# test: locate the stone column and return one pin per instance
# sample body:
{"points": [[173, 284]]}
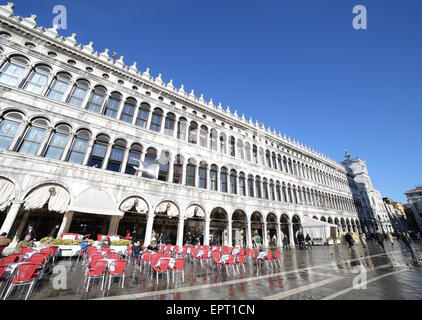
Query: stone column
{"points": [[125, 160], [249, 235], [44, 142], [184, 166], [291, 235], [107, 156], [20, 228], [279, 240], [207, 231], [264, 236], [197, 176], [148, 125], [230, 233], [19, 135], [88, 152], [171, 170], [47, 84], [67, 147], [180, 230], [11, 216], [114, 224], [148, 231], [67, 221]]}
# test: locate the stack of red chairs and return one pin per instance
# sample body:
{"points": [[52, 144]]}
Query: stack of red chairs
{"points": [[27, 275], [118, 272], [162, 268], [178, 267], [230, 263], [96, 271]]}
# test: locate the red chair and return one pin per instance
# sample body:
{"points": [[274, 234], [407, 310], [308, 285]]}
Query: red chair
{"points": [[266, 260], [26, 250], [162, 247], [162, 268], [230, 263], [146, 258], [204, 256], [276, 259], [168, 255], [3, 280], [240, 262], [38, 258], [114, 256], [96, 271], [26, 275], [19, 257], [176, 249], [8, 260], [118, 272], [178, 267]]}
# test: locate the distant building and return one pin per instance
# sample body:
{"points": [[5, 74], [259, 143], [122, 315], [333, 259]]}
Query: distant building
{"points": [[414, 207], [397, 214]]}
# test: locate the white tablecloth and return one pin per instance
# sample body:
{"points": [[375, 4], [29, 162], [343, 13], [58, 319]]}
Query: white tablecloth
{"points": [[262, 255], [110, 264], [236, 251], [224, 258], [171, 263]]}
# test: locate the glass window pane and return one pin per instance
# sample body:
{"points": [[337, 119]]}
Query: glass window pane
{"points": [[8, 130]]}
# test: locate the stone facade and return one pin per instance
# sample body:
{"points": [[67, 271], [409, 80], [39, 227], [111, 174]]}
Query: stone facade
{"points": [[73, 121]]}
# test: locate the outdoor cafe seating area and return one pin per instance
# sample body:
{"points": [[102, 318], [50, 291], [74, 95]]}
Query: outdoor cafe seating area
{"points": [[99, 266]]}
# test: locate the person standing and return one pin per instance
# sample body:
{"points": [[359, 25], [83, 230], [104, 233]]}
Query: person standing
{"points": [[363, 240], [258, 241], [30, 231], [286, 242], [274, 240], [134, 236], [301, 240], [406, 240], [380, 239]]}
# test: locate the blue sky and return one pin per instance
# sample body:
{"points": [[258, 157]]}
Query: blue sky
{"points": [[298, 66]]}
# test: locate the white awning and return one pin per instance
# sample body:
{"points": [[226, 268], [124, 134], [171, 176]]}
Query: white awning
{"points": [[316, 228], [140, 205], [94, 201], [7, 193], [312, 223], [57, 197]]}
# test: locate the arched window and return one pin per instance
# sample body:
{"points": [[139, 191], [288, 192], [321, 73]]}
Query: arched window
{"points": [[13, 71], [181, 129], [233, 182], [143, 115], [96, 101], [157, 116], [255, 154], [248, 151], [274, 158], [193, 133], [38, 79], [178, 170], [134, 159], [9, 127], [203, 175], [213, 177], [223, 143], [190, 173], [278, 191], [290, 167], [34, 136], [58, 142], [232, 146], [113, 105], [203, 136], [169, 124], [99, 151], [265, 188], [213, 139], [79, 93], [223, 180], [240, 149], [272, 196], [150, 158], [79, 147], [258, 187], [59, 86], [128, 110], [280, 165], [116, 156], [250, 186], [164, 166], [268, 158], [242, 184], [285, 165]]}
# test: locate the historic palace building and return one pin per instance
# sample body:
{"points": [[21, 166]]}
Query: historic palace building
{"points": [[76, 125]]}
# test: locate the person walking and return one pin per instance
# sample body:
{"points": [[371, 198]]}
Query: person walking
{"points": [[309, 241], [390, 237], [363, 240], [380, 239], [274, 240], [406, 240], [258, 241], [349, 239], [286, 242], [301, 240]]}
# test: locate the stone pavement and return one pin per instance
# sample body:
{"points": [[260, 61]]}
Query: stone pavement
{"points": [[328, 273]]}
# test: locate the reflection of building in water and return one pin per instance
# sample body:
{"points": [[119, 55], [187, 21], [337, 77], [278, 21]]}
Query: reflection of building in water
{"points": [[80, 122]]}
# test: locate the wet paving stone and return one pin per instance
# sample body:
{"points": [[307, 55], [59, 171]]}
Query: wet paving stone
{"points": [[323, 273]]}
